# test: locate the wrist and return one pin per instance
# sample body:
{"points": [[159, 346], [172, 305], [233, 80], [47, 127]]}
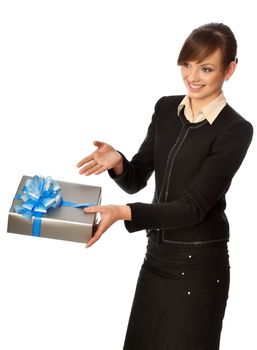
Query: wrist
{"points": [[118, 168], [125, 212]]}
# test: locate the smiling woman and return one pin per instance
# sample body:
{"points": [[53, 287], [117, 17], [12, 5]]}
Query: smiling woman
{"points": [[204, 80], [207, 59], [195, 144]]}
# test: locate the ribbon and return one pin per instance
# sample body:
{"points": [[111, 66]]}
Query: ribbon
{"points": [[38, 196]]}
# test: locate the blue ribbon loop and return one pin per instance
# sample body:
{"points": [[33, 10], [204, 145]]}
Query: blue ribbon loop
{"points": [[39, 194]]}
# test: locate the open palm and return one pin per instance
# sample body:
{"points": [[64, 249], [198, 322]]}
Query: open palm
{"points": [[103, 158]]}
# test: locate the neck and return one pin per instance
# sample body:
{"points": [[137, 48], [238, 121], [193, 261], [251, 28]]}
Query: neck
{"points": [[195, 106], [198, 104]]}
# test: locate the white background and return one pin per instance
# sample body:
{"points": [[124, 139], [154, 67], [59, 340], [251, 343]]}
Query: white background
{"points": [[75, 71]]}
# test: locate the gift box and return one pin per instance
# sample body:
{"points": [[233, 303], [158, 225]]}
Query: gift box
{"points": [[67, 222]]}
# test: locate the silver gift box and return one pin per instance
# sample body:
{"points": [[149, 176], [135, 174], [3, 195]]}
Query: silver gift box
{"points": [[66, 223]]}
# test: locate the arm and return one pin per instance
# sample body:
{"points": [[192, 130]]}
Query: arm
{"points": [[206, 188], [131, 176], [137, 172]]}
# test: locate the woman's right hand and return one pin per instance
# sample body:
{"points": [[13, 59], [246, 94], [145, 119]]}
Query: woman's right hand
{"points": [[105, 157]]}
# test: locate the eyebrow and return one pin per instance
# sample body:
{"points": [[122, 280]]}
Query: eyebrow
{"points": [[207, 64]]}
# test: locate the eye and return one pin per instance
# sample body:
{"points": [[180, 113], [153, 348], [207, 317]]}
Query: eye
{"points": [[207, 69], [186, 65]]}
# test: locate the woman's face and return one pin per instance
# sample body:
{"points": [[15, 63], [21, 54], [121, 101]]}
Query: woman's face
{"points": [[204, 80]]}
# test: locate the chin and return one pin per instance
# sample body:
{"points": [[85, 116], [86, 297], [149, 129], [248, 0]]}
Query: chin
{"points": [[196, 95]]}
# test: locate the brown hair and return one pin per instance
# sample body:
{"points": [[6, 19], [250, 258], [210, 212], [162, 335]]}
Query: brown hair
{"points": [[205, 40]]}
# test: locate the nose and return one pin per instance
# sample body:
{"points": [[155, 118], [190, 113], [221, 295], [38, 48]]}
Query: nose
{"points": [[193, 75]]}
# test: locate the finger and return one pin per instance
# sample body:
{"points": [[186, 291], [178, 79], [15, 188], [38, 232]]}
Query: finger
{"points": [[92, 241], [93, 169], [98, 143], [87, 167], [101, 170], [85, 160], [93, 209], [96, 236]]}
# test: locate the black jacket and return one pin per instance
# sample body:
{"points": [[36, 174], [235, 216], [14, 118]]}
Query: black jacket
{"points": [[194, 164]]}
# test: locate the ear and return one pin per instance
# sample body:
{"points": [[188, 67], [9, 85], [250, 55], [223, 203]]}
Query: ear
{"points": [[230, 70]]}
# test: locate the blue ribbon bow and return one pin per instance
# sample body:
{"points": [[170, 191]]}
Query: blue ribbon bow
{"points": [[38, 196]]}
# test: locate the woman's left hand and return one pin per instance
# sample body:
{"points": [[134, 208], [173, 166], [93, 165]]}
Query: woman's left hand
{"points": [[109, 215]]}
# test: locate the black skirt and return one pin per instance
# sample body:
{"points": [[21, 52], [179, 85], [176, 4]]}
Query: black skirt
{"points": [[180, 297]]}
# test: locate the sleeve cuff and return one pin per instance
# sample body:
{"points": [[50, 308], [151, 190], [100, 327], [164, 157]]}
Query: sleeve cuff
{"points": [[133, 224]]}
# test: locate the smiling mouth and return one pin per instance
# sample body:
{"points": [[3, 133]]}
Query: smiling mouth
{"points": [[195, 87]]}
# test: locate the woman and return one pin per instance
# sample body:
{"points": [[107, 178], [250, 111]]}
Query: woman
{"points": [[194, 144]]}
